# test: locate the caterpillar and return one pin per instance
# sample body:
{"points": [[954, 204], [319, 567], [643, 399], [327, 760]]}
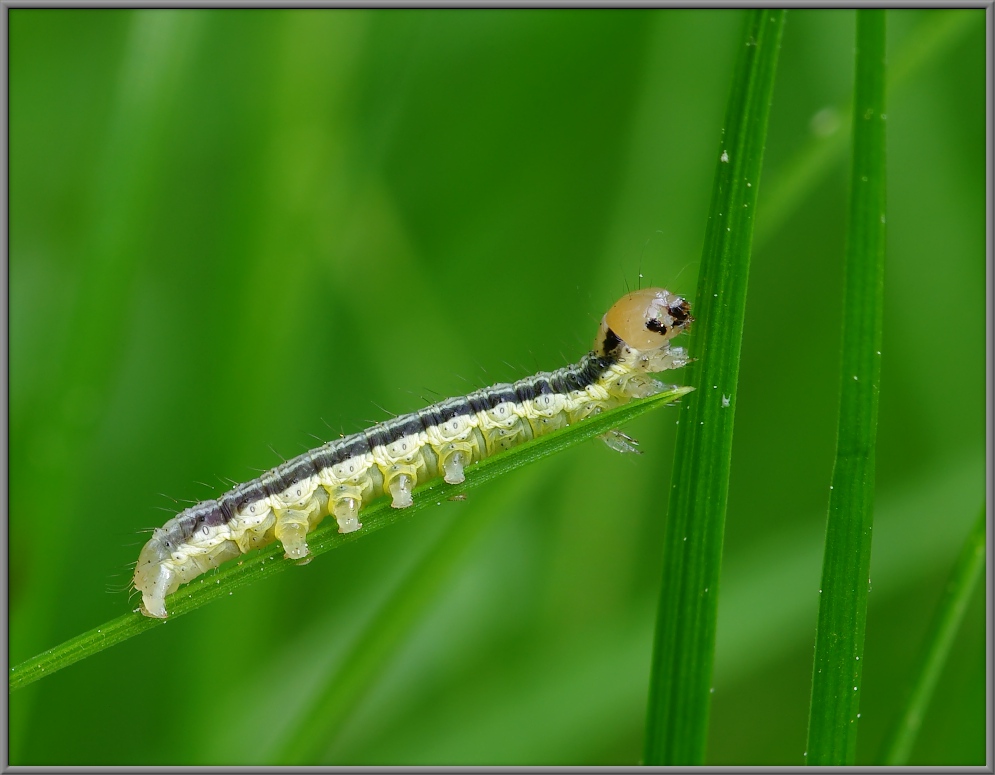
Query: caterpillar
{"points": [[390, 458]]}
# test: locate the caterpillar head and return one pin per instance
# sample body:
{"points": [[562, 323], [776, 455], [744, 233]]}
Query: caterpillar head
{"points": [[640, 326]]}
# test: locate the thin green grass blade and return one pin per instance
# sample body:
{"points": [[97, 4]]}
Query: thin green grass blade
{"points": [[258, 565], [679, 697], [832, 732], [943, 629]]}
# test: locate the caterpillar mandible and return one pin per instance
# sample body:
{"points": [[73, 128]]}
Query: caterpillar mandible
{"points": [[392, 457]]}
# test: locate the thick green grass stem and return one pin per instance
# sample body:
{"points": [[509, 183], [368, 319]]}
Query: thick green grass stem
{"points": [[939, 640], [679, 692], [836, 675], [269, 560]]}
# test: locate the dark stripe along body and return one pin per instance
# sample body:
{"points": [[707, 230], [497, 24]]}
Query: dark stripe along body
{"points": [[392, 457]]}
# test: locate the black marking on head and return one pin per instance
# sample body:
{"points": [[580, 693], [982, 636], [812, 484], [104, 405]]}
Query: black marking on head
{"points": [[611, 342], [680, 313], [657, 326]]}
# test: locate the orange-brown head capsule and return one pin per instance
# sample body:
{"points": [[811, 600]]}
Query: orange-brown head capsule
{"points": [[646, 319]]}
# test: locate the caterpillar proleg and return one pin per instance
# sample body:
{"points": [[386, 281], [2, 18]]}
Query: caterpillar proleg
{"points": [[392, 457]]}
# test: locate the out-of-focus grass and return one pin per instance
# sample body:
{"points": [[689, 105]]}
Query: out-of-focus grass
{"points": [[343, 209], [943, 632]]}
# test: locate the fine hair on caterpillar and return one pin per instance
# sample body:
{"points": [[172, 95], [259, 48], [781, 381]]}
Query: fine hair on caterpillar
{"points": [[392, 457]]}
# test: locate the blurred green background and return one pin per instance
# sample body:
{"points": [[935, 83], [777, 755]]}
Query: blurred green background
{"points": [[233, 229]]}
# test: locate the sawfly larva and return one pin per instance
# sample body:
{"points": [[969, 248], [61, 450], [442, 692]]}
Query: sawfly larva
{"points": [[392, 457]]}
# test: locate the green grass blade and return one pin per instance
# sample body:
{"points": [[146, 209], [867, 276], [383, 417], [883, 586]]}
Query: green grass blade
{"points": [[679, 697], [946, 622], [270, 560], [832, 732]]}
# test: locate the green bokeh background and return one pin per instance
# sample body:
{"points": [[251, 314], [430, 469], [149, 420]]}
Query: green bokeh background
{"points": [[233, 229]]}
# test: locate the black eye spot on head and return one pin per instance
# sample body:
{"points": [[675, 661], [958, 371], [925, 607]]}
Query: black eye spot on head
{"points": [[657, 326], [679, 312]]}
